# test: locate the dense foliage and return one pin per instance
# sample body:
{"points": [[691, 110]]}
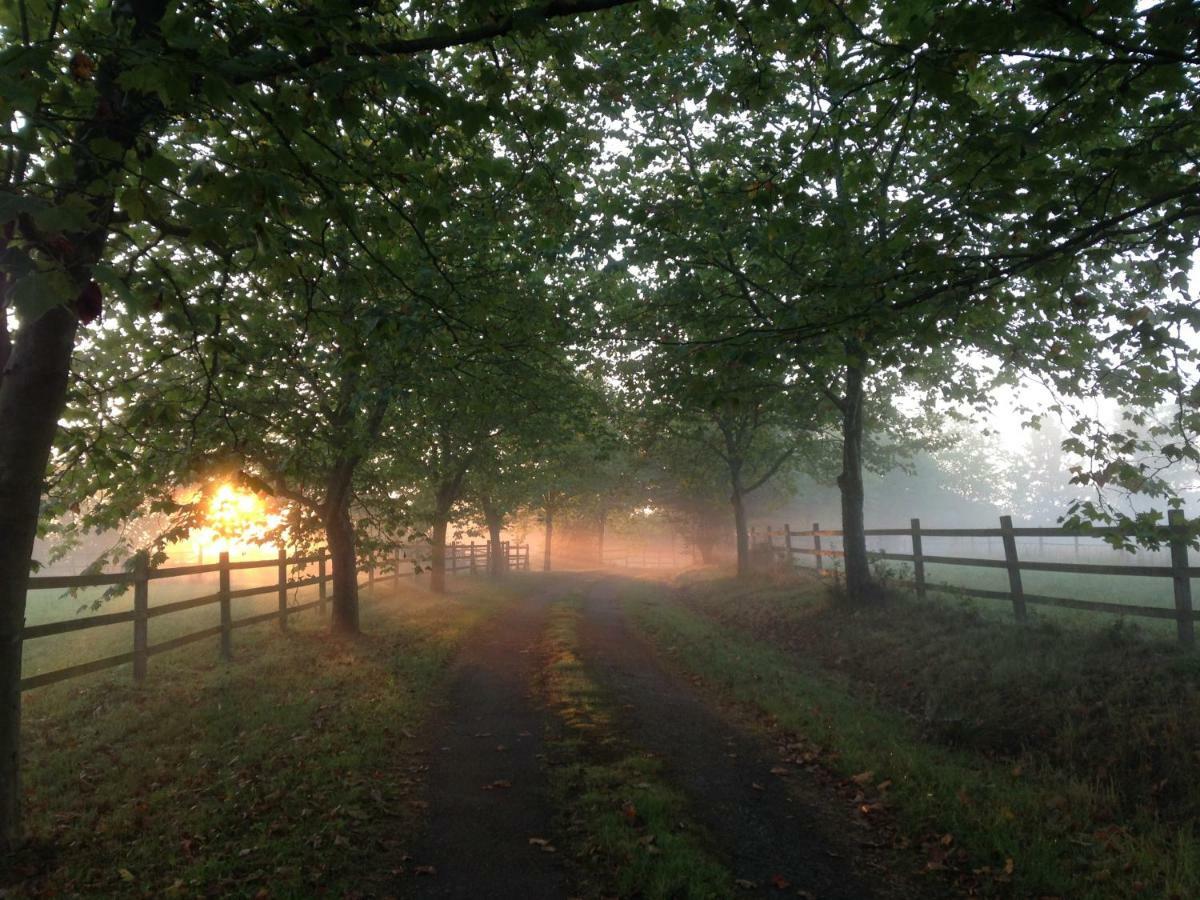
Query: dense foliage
{"points": [[393, 264]]}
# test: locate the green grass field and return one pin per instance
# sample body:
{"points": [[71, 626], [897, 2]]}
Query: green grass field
{"points": [[1128, 590], [288, 774], [1053, 761]]}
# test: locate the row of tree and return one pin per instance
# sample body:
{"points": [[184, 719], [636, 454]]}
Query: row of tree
{"points": [[849, 225], [376, 260], [318, 244]]}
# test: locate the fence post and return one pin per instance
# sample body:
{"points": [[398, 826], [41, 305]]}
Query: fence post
{"points": [[918, 558], [283, 588], [397, 571], [226, 612], [1015, 588], [472, 557], [141, 614], [817, 545], [787, 544], [1183, 583], [321, 596]]}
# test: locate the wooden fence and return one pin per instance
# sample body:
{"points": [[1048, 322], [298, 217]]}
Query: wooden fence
{"points": [[473, 560], [473, 557], [640, 558], [782, 543]]}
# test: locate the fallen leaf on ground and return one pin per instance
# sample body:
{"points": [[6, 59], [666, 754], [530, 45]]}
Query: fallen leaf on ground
{"points": [[863, 777], [779, 882], [745, 884], [496, 785], [424, 870]]}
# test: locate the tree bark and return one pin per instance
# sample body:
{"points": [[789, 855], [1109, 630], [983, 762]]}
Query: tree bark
{"points": [[549, 538], [447, 493], [32, 396], [738, 499], [497, 564], [343, 546], [859, 586], [493, 515], [340, 537], [437, 553]]}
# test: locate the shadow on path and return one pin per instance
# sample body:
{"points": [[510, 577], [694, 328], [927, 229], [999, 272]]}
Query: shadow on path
{"points": [[486, 782], [764, 828]]}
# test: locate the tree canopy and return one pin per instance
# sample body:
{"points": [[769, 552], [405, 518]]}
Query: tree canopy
{"points": [[396, 264]]}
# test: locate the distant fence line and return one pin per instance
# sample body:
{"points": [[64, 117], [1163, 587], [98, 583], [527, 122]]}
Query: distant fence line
{"points": [[459, 557], [640, 558], [1176, 538]]}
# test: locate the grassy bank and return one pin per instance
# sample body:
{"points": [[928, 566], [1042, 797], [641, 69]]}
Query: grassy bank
{"points": [[1123, 590], [631, 829], [282, 774], [1037, 761]]}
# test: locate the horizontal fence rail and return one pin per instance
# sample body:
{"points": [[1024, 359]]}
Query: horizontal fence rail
{"points": [[781, 544], [640, 558], [459, 557]]}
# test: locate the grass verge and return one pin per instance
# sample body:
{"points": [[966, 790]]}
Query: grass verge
{"points": [[985, 736], [281, 774], [633, 828]]}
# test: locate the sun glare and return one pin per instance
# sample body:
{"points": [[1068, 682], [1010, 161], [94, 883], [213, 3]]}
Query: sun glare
{"points": [[232, 511], [235, 521]]}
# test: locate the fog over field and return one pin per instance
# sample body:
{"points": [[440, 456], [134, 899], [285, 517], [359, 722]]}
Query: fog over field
{"points": [[599, 448]]}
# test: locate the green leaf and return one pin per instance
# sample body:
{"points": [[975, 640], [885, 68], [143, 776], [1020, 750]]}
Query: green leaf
{"points": [[38, 292]]}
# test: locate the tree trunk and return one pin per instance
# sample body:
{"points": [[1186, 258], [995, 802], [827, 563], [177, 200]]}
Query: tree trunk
{"points": [[705, 542], [339, 535], [443, 504], [601, 521], [549, 538], [497, 564], [33, 393], [738, 499], [437, 553], [859, 587]]}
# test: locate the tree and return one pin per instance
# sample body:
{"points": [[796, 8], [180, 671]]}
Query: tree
{"points": [[716, 400], [86, 146], [871, 192]]}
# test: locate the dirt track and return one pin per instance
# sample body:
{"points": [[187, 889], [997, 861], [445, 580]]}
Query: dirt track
{"points": [[486, 781], [487, 785]]}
